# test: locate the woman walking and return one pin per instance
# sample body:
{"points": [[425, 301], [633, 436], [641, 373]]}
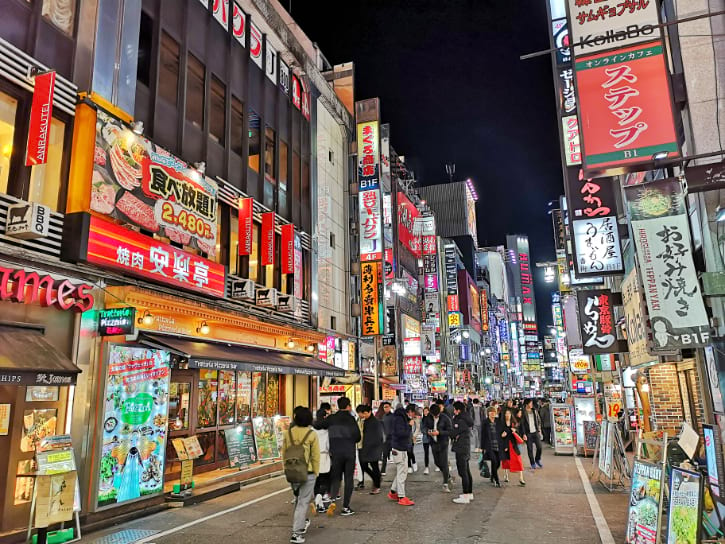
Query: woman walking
{"points": [[426, 424], [490, 443], [303, 435], [509, 445], [322, 483], [415, 434]]}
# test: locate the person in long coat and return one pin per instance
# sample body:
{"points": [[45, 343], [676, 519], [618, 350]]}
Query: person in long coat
{"points": [[372, 446], [510, 440]]}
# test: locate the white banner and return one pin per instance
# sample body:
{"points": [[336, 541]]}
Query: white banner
{"points": [[428, 340], [596, 246]]}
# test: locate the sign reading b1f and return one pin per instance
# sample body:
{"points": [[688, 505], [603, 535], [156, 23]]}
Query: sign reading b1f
{"points": [[601, 25]]}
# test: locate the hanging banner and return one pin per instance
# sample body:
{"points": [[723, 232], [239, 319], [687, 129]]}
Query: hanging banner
{"points": [[567, 96], [371, 225], [560, 32], [239, 24], [267, 250], [484, 310], [246, 209], [596, 318], [597, 249], [572, 140], [643, 521], [407, 216], [296, 92], [284, 81], [41, 114], [636, 321], [625, 107], [661, 232], [428, 340], [372, 317], [220, 8], [599, 27], [255, 44], [287, 249], [368, 157], [587, 198], [270, 61]]}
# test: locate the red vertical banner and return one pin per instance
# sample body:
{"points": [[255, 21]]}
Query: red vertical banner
{"points": [[41, 114], [246, 208], [268, 220], [287, 257]]}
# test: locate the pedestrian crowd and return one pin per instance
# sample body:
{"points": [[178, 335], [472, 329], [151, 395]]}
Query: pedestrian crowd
{"points": [[332, 450]]}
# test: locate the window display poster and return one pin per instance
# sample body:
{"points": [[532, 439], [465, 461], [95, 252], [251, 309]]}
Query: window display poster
{"points": [[266, 438], [684, 511], [713, 457], [4, 419], [281, 426], [37, 424], [240, 445], [563, 437], [643, 520], [135, 415]]}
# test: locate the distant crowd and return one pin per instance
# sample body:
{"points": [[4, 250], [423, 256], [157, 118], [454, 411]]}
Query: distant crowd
{"points": [[321, 453]]}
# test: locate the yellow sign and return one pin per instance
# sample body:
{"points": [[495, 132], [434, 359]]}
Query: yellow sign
{"points": [[351, 356], [187, 472], [454, 319], [370, 296], [4, 419]]}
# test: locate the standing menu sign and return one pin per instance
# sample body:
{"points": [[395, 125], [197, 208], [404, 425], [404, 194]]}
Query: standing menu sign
{"points": [[562, 424], [645, 509], [683, 525], [605, 449], [135, 414], [240, 445]]}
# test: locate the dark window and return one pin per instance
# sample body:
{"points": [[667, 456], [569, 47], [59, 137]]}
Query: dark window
{"points": [[169, 69], [254, 126], [282, 201], [143, 67], [331, 156], [296, 183], [216, 113], [269, 177], [332, 240], [195, 91], [305, 196], [237, 126], [333, 322]]}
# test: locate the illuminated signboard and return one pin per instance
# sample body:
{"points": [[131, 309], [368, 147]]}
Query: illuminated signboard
{"points": [[596, 246], [372, 309], [116, 321], [407, 216]]}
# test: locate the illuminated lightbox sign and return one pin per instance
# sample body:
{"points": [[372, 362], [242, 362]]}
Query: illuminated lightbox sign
{"points": [[596, 246], [117, 321]]}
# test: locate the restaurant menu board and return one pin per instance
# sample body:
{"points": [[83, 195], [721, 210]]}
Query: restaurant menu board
{"points": [[562, 425], [142, 184], [55, 498], [605, 449], [240, 445], [584, 411], [281, 426], [684, 512], [713, 457], [265, 438], [643, 520], [591, 431], [135, 414]]}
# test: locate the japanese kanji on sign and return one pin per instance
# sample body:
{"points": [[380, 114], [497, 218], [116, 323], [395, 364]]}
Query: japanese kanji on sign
{"points": [[597, 250], [596, 319], [371, 307]]}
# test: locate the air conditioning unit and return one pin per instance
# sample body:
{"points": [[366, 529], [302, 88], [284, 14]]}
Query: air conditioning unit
{"points": [[242, 290], [287, 303], [267, 297]]}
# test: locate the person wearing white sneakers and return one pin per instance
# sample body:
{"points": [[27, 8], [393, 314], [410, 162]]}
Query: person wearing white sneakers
{"points": [[461, 438], [425, 426]]}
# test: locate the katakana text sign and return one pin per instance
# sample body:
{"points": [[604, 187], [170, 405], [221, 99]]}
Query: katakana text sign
{"points": [[661, 232], [625, 107], [596, 319], [368, 156], [371, 225]]}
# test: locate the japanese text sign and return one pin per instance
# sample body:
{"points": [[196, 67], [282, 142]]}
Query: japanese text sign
{"points": [[572, 141], [625, 107], [371, 225], [112, 246], [296, 92], [637, 323], [567, 96], [255, 44], [246, 208], [368, 156], [590, 197], [407, 215], [267, 250], [287, 258], [41, 113], [661, 232], [597, 25], [596, 246], [370, 296], [239, 24], [579, 363], [220, 8], [140, 183], [560, 32], [596, 319], [484, 310]]}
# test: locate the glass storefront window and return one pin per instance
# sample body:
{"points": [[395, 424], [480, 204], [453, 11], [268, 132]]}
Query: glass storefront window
{"points": [[254, 143], [244, 395], [169, 69], [207, 406], [195, 91], [8, 108], [207, 441], [234, 244], [237, 126], [272, 400], [216, 111], [179, 395], [227, 397], [258, 393], [45, 179], [254, 257]]}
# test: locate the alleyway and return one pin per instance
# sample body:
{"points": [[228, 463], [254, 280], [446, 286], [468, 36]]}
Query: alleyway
{"points": [[552, 508]]}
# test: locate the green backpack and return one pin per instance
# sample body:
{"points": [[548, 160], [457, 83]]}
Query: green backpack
{"points": [[295, 464]]}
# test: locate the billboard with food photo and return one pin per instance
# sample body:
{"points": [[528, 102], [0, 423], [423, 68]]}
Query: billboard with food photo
{"points": [[140, 183]]}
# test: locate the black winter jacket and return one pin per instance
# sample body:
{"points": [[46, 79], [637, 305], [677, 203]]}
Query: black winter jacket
{"points": [[444, 428], [461, 433], [372, 446], [343, 432], [525, 427], [388, 426], [402, 433], [490, 437]]}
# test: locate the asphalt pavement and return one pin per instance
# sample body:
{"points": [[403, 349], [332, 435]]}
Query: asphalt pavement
{"points": [[552, 508]]}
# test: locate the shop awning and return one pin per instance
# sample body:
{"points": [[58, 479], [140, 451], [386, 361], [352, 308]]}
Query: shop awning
{"points": [[382, 380], [223, 356], [27, 358]]}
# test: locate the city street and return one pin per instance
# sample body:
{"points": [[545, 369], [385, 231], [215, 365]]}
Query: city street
{"points": [[552, 508]]}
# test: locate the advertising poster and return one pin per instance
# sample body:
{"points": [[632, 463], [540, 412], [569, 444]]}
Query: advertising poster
{"points": [[591, 431], [407, 234], [55, 497], [281, 426], [142, 184], [563, 432], [605, 450], [643, 520], [428, 340], [661, 232], [240, 445], [135, 414], [584, 411], [683, 524], [265, 436], [713, 457]]}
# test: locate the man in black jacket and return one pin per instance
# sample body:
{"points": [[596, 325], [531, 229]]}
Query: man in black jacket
{"points": [[490, 442], [388, 430], [461, 437], [372, 445], [440, 429], [400, 439], [344, 435], [531, 425]]}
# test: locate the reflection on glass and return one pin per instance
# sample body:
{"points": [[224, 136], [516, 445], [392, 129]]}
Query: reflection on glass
{"points": [[258, 391], [254, 143], [23, 489], [227, 397], [207, 441], [244, 395], [179, 395], [207, 408], [272, 400]]}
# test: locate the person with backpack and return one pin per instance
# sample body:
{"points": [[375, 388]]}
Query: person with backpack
{"points": [[344, 435], [301, 461]]}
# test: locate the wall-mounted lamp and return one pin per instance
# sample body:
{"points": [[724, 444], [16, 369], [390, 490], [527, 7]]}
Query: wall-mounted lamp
{"points": [[146, 319], [290, 343], [311, 348], [203, 328]]}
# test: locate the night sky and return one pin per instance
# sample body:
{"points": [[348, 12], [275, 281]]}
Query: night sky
{"points": [[453, 89]]}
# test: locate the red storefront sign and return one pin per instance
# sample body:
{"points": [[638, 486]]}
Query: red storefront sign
{"points": [[30, 287], [41, 113], [296, 92], [245, 225], [413, 365], [407, 214], [429, 244], [625, 107], [118, 248], [287, 257], [267, 252], [453, 303]]}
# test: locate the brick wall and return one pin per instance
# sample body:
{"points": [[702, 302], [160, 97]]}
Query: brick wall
{"points": [[665, 397]]}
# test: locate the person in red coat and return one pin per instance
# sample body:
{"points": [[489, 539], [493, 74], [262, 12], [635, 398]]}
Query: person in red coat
{"points": [[510, 452]]}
